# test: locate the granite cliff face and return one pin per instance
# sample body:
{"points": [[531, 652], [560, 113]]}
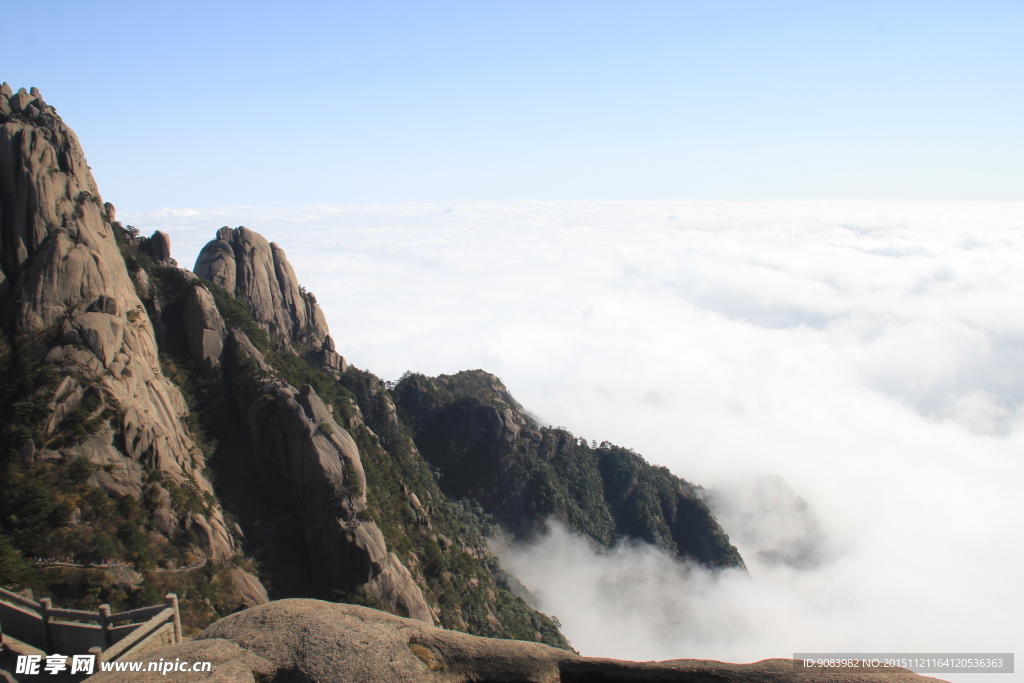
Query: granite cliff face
{"points": [[325, 505], [319, 459], [291, 427], [64, 283], [312, 642], [250, 268], [64, 278]]}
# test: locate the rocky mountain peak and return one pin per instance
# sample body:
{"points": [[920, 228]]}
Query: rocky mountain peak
{"points": [[249, 267], [64, 280]]}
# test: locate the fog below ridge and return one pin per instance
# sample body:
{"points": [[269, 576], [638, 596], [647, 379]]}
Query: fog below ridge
{"points": [[846, 379]]}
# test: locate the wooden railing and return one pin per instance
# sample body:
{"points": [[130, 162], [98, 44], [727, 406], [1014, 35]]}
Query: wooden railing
{"points": [[47, 628]]}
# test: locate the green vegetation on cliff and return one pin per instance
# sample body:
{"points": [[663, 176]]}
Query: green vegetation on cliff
{"points": [[63, 534], [442, 538], [447, 461], [487, 450]]}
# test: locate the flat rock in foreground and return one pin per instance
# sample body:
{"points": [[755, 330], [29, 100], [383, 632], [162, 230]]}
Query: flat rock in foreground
{"points": [[310, 641]]}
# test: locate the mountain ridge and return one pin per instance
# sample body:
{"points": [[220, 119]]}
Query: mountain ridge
{"points": [[163, 417]]}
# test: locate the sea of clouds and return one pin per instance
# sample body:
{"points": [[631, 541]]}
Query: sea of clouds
{"points": [[846, 380]]}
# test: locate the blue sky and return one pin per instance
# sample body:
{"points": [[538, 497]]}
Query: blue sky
{"points": [[192, 104]]}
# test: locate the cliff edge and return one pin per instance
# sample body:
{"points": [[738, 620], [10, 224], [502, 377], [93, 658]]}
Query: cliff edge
{"points": [[82, 340], [307, 641]]}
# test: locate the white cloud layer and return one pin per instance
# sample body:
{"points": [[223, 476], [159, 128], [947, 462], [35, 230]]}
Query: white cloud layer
{"points": [[846, 378]]}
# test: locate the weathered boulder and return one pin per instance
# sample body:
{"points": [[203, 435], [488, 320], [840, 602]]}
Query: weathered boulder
{"points": [[102, 333], [115, 474], [318, 457], [204, 328], [309, 641], [64, 276], [321, 463], [395, 586], [229, 663], [142, 282], [216, 262], [159, 246], [66, 397], [21, 100], [250, 587], [165, 520], [248, 267], [124, 577], [330, 359], [212, 534]]}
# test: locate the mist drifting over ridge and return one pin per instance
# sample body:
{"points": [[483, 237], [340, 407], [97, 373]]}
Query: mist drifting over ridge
{"points": [[845, 378]]}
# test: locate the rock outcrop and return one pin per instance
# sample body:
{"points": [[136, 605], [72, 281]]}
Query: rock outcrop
{"points": [[250, 588], [291, 427], [308, 641], [319, 459], [204, 328], [61, 270], [248, 267], [159, 247]]}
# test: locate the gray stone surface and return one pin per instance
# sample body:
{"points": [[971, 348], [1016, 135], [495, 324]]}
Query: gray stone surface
{"points": [[124, 577], [211, 536], [329, 357], [60, 265], [66, 397], [250, 587], [321, 463], [204, 328], [116, 474], [102, 333], [142, 282], [309, 641], [395, 585], [247, 266], [216, 262], [159, 245], [229, 663], [21, 100]]}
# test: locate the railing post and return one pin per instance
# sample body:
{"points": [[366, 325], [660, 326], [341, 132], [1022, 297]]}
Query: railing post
{"points": [[104, 620], [171, 600], [45, 605]]}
